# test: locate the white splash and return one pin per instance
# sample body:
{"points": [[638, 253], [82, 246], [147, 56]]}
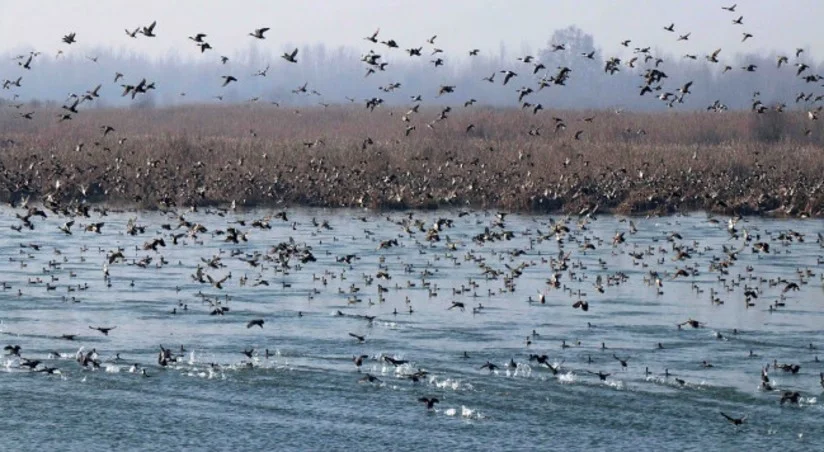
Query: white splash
{"points": [[567, 378]]}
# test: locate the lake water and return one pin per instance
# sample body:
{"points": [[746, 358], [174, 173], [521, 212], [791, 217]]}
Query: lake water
{"points": [[306, 394]]}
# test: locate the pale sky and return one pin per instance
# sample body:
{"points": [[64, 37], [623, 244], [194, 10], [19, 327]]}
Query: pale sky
{"points": [[779, 26]]}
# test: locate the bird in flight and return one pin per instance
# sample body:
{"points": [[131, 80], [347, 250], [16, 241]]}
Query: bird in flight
{"points": [[149, 31], [290, 57], [258, 33]]}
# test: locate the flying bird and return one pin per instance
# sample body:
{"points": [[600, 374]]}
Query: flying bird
{"points": [[258, 33], [290, 57]]}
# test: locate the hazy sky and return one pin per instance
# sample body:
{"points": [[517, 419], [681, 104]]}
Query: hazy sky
{"points": [[460, 24]]}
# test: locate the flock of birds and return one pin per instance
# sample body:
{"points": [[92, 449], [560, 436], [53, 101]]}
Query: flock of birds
{"points": [[124, 178], [565, 275], [649, 66], [245, 242]]}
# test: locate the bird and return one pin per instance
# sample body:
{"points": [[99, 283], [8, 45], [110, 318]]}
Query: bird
{"points": [[508, 76], [603, 376], [103, 330], [622, 361], [255, 322], [198, 37], [290, 57], [429, 401], [358, 360], [149, 31], [361, 339], [70, 38], [732, 420], [582, 305], [692, 323], [258, 33], [373, 37], [227, 79], [791, 397]]}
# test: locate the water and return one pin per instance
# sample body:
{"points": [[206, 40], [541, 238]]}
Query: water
{"points": [[306, 395]]}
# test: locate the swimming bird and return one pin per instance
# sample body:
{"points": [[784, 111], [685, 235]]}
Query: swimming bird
{"points": [[361, 339], [791, 397], [692, 323], [13, 350], [104, 330], [734, 421], [369, 378], [255, 322], [492, 367], [581, 304]]}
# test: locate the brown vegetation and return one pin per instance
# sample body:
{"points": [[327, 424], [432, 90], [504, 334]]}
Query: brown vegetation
{"points": [[731, 162]]}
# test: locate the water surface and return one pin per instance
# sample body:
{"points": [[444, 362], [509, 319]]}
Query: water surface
{"points": [[306, 394]]}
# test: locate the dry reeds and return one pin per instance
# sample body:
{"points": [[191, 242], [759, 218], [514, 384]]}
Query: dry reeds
{"points": [[732, 162]]}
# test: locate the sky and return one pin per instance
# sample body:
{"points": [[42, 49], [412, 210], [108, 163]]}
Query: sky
{"points": [[521, 25]]}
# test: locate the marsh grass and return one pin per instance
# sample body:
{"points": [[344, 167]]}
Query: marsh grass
{"points": [[259, 155]]}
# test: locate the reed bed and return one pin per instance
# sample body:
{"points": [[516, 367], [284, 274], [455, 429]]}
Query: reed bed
{"points": [[347, 156]]}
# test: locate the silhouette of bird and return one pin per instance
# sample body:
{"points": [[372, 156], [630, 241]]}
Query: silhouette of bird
{"points": [[582, 305], [429, 401], [290, 57], [258, 33], [103, 330], [227, 79], [734, 421], [255, 322], [149, 31]]}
